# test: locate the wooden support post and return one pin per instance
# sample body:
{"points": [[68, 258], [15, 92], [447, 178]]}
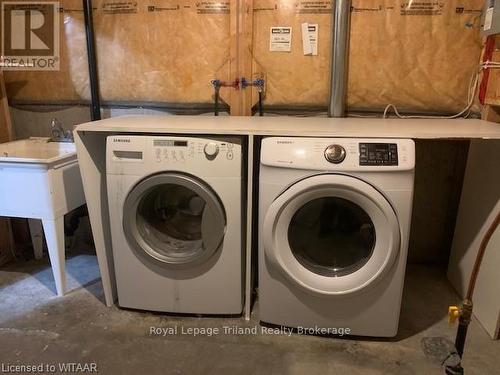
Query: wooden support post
{"points": [[6, 242], [241, 55], [246, 56], [491, 113], [5, 121], [491, 109]]}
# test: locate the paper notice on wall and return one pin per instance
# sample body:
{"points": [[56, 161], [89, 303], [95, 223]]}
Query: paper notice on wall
{"points": [[310, 39], [306, 42], [488, 19], [280, 39], [120, 7]]}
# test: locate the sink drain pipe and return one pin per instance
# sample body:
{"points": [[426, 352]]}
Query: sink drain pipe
{"points": [[341, 15], [95, 107]]}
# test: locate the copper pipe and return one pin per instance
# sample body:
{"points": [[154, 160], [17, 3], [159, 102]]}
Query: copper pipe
{"points": [[480, 256]]}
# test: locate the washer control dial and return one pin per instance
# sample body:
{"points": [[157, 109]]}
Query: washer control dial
{"points": [[211, 150], [335, 154]]}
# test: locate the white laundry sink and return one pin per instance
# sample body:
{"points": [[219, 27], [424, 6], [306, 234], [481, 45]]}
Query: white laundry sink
{"points": [[36, 150], [40, 180]]}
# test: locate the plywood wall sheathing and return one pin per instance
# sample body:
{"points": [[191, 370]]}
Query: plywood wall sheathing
{"points": [[419, 58], [147, 50], [67, 83], [417, 55]]}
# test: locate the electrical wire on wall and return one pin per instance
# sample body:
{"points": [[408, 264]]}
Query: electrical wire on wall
{"points": [[471, 94]]}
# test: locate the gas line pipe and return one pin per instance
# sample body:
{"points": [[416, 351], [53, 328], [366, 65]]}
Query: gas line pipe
{"points": [[463, 312]]}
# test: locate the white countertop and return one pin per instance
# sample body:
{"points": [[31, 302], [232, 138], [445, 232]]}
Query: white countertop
{"points": [[299, 126]]}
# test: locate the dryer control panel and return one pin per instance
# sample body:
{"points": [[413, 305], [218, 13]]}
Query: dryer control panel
{"points": [[378, 154], [339, 154]]}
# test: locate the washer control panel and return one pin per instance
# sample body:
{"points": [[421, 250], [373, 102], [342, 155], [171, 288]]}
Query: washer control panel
{"points": [[137, 154], [180, 150], [172, 150], [378, 154]]}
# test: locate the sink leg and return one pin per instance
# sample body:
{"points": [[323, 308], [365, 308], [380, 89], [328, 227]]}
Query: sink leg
{"points": [[54, 235], [36, 232]]}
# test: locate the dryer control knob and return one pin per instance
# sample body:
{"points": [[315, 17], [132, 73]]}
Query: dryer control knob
{"points": [[335, 154], [211, 150]]}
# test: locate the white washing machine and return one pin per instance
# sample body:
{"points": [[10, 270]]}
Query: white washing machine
{"points": [[334, 221], [175, 206]]}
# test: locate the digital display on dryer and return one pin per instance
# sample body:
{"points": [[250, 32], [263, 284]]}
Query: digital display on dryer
{"points": [[378, 154]]}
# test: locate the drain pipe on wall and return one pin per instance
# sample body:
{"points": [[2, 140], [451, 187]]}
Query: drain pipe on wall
{"points": [[341, 12], [95, 107]]}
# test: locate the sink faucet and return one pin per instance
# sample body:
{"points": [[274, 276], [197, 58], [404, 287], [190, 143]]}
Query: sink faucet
{"points": [[58, 132]]}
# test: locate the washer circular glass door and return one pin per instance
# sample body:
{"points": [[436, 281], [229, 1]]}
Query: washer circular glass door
{"points": [[331, 234], [174, 218]]}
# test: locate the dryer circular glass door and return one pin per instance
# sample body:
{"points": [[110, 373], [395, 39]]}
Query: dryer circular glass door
{"points": [[175, 219], [331, 234]]}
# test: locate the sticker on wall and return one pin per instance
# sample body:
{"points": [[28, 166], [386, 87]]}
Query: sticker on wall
{"points": [[212, 7], [120, 7], [280, 39], [314, 7], [156, 8], [488, 19], [310, 39], [374, 8], [422, 8], [262, 8]]}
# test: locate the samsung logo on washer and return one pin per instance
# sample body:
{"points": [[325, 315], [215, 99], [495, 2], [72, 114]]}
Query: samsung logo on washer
{"points": [[121, 140], [284, 142]]}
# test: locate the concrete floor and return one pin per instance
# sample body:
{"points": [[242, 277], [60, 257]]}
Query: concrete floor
{"points": [[36, 327]]}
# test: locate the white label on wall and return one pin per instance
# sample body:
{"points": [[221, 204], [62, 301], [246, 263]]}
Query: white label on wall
{"points": [[488, 19], [313, 37], [310, 39], [280, 39], [306, 41]]}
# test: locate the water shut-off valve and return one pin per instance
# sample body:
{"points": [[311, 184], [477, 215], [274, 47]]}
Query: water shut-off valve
{"points": [[242, 83], [462, 312], [453, 314]]}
